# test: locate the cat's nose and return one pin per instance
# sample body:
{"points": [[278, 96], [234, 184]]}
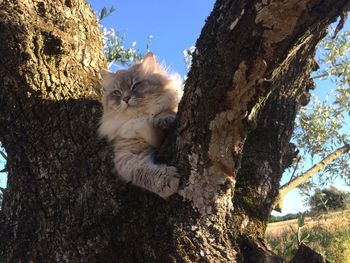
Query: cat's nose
{"points": [[126, 99]]}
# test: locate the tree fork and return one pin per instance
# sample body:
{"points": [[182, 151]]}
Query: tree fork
{"points": [[63, 203]]}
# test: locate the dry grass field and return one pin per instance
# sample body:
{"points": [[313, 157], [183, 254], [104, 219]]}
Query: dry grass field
{"points": [[330, 221], [328, 234]]}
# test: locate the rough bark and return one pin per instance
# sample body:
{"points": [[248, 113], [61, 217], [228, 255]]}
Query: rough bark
{"points": [[63, 203], [306, 255], [270, 64], [50, 54]]}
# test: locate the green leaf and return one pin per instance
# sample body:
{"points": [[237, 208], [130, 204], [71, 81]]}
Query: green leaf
{"points": [[112, 9], [289, 244], [304, 237], [301, 220], [103, 13]]}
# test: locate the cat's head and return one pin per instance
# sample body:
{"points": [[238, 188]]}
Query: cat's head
{"points": [[134, 88]]}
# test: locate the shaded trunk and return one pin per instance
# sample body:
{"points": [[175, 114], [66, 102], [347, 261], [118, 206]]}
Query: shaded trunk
{"points": [[306, 255], [63, 203]]}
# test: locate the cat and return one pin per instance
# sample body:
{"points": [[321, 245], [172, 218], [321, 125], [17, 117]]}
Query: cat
{"points": [[139, 105]]}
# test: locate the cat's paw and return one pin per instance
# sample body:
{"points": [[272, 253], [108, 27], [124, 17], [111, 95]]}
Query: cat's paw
{"points": [[170, 184], [164, 121]]}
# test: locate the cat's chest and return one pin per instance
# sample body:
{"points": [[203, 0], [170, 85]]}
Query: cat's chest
{"points": [[141, 128]]}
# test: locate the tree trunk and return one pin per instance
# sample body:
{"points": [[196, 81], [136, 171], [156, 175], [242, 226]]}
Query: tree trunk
{"points": [[306, 255], [250, 75]]}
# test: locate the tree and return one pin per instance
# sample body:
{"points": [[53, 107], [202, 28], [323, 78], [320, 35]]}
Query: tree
{"points": [[329, 199], [63, 203], [321, 134], [299, 180]]}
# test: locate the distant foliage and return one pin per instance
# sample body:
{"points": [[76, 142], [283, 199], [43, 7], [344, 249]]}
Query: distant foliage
{"points": [[105, 12], [114, 47], [329, 199], [289, 216], [188, 53], [115, 50], [322, 126], [335, 60]]}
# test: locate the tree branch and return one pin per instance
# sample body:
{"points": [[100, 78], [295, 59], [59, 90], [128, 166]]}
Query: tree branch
{"points": [[63, 202], [285, 189]]}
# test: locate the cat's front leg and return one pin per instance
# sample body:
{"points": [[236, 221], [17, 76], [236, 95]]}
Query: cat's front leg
{"points": [[168, 183], [140, 170], [164, 120]]}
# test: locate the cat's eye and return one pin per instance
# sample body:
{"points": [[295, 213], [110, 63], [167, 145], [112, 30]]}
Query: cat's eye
{"points": [[136, 85], [116, 93]]}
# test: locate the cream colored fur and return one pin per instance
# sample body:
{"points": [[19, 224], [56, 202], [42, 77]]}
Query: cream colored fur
{"points": [[137, 126]]}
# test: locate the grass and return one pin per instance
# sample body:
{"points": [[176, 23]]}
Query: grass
{"points": [[329, 235]]}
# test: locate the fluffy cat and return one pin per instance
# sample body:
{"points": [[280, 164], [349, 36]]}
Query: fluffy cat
{"points": [[139, 105]]}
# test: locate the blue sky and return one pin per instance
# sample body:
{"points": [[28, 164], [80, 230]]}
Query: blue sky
{"points": [[175, 26]]}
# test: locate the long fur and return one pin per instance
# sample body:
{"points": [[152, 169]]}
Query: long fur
{"points": [[139, 104]]}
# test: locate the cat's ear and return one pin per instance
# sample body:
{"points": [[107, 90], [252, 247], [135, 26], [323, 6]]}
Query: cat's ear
{"points": [[107, 78], [149, 63], [105, 74]]}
